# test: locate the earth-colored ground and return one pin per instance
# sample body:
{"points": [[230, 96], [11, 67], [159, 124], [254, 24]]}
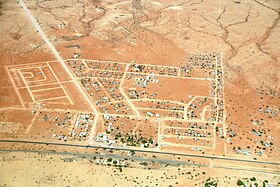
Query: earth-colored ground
{"points": [[165, 32], [58, 169]]}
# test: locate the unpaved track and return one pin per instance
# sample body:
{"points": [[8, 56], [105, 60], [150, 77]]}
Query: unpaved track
{"points": [[44, 37]]}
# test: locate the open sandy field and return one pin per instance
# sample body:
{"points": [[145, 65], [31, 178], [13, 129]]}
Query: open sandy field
{"points": [[95, 169]]}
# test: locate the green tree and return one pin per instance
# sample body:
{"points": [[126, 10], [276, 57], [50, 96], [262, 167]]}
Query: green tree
{"points": [[240, 183]]}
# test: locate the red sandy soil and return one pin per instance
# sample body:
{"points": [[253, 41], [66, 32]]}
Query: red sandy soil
{"points": [[163, 33]]}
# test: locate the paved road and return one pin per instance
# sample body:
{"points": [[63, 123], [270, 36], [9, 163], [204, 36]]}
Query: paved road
{"points": [[141, 151], [110, 155], [140, 159]]}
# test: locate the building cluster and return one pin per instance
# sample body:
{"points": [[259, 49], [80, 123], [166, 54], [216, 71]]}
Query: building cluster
{"points": [[196, 108], [186, 70], [262, 141], [107, 66], [106, 94], [199, 65], [220, 131], [124, 130], [77, 67], [261, 145], [158, 70], [96, 69], [141, 81], [188, 132], [243, 151], [102, 74], [82, 126], [162, 104], [163, 113], [219, 90], [186, 141], [75, 129], [103, 82], [207, 66], [190, 124], [213, 88], [270, 111], [219, 77], [134, 94], [145, 79], [111, 127], [112, 87], [63, 122], [116, 108], [95, 91], [220, 110]]}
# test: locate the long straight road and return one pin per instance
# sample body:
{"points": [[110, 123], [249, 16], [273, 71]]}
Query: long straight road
{"points": [[124, 94], [140, 150], [141, 159]]}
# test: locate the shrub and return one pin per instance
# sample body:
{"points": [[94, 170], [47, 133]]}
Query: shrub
{"points": [[239, 183]]}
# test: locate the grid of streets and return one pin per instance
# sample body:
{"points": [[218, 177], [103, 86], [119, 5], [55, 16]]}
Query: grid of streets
{"points": [[124, 92]]}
